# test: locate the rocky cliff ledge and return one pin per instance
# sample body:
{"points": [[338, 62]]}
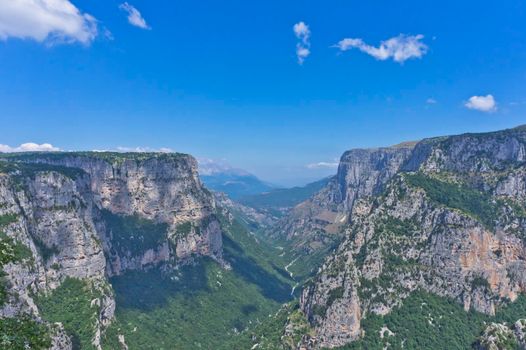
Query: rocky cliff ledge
{"points": [[154, 188], [448, 219], [316, 226], [67, 217]]}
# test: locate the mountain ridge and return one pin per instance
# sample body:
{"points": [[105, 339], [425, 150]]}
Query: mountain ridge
{"points": [[120, 248], [447, 219]]}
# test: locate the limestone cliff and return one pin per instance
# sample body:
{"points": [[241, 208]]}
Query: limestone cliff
{"points": [[160, 188], [502, 336], [47, 216], [88, 216], [450, 220], [314, 227]]}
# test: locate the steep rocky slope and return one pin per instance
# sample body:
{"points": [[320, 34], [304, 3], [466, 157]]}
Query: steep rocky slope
{"points": [[48, 218], [316, 226], [278, 202], [449, 219], [162, 188], [501, 336], [69, 221]]}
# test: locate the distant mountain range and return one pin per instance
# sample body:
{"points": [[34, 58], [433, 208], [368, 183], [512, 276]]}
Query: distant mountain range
{"points": [[416, 246], [236, 183], [284, 197], [249, 190]]}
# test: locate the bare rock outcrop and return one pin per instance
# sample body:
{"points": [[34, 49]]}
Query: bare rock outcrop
{"points": [[89, 216], [449, 219]]}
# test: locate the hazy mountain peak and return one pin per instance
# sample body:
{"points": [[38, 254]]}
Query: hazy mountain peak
{"points": [[209, 167]]}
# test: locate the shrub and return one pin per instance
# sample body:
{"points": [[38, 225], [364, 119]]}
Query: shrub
{"points": [[71, 304], [23, 333], [458, 196]]}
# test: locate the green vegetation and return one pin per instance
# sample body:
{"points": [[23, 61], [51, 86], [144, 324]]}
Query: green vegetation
{"points": [[133, 234], [19, 170], [45, 251], [307, 263], [10, 251], [480, 282], [283, 197], [71, 304], [255, 260], [359, 259], [23, 333], [270, 333], [398, 227], [110, 157], [424, 321], [120, 157], [393, 261], [512, 312], [201, 305], [3, 289], [497, 338], [427, 321], [335, 294], [7, 219], [479, 205], [183, 229]]}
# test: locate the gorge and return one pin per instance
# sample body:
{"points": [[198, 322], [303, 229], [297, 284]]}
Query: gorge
{"points": [[420, 245]]}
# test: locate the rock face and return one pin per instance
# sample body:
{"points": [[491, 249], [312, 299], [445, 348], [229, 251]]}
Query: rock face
{"points": [[89, 216], [162, 188], [317, 225], [48, 215], [362, 172], [500, 336], [447, 217], [253, 217]]}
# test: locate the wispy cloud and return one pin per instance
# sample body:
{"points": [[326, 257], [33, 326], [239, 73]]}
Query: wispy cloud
{"points": [[144, 149], [209, 166], [134, 16], [29, 147], [322, 165], [51, 21], [482, 103], [302, 32], [431, 101], [399, 48]]}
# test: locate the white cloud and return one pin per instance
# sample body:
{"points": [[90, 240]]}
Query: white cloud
{"points": [[302, 32], [323, 165], [399, 48], [302, 53], [29, 147], [54, 21], [144, 149], [482, 103], [107, 34], [209, 167], [431, 101], [134, 16]]}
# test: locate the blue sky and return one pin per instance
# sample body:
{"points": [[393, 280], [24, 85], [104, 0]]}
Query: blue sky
{"points": [[221, 79]]}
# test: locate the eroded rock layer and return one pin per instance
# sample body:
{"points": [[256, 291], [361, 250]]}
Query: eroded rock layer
{"points": [[67, 217], [449, 218]]}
